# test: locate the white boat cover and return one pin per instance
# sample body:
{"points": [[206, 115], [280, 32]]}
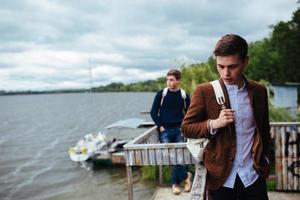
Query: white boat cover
{"points": [[126, 123]]}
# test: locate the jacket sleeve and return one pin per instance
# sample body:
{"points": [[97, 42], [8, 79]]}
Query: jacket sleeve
{"points": [[194, 124], [266, 136], [155, 109]]}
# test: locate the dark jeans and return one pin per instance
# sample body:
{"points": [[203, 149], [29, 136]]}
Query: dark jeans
{"points": [[172, 135], [256, 191]]}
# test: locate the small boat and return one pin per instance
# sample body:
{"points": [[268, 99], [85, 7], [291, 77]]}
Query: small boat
{"points": [[86, 147], [98, 148]]}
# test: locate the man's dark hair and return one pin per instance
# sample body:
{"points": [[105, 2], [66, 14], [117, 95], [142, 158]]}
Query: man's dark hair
{"points": [[231, 44], [174, 72]]}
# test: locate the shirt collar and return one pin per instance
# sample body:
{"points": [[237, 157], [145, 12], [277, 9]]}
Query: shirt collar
{"points": [[230, 87]]}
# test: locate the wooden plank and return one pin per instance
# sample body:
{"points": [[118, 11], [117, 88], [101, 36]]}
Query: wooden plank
{"points": [[279, 179], [138, 157], [165, 154], [159, 157], [172, 156], [290, 181], [284, 159], [129, 182], [277, 142], [152, 158], [145, 157], [142, 137], [284, 174], [280, 124], [198, 187], [131, 158], [294, 139], [180, 156], [272, 132], [155, 146], [153, 139], [187, 157], [278, 159], [118, 158]]}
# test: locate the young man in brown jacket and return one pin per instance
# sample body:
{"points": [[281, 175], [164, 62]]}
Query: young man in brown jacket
{"points": [[237, 155]]}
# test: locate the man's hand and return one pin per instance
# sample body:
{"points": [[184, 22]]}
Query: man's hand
{"points": [[226, 117], [161, 129]]}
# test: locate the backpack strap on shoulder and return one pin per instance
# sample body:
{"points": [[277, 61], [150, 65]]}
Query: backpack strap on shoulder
{"points": [[164, 94], [183, 96], [219, 93]]}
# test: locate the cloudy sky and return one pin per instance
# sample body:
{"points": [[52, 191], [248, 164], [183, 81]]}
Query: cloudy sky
{"points": [[47, 44]]}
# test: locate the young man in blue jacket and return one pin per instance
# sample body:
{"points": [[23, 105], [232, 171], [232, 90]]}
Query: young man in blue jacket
{"points": [[168, 110]]}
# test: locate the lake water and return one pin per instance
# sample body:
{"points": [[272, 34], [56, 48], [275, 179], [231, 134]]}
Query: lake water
{"points": [[36, 132]]}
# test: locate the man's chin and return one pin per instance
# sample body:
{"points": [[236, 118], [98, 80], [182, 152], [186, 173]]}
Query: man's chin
{"points": [[228, 82]]}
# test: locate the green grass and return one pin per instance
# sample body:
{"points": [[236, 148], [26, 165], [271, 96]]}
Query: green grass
{"points": [[151, 173], [271, 185]]}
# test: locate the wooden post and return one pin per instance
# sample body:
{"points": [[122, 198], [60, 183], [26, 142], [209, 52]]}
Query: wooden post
{"points": [[278, 159], [129, 182], [160, 174], [198, 188]]}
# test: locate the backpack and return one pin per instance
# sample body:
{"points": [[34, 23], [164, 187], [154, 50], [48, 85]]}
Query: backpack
{"points": [[196, 146]]}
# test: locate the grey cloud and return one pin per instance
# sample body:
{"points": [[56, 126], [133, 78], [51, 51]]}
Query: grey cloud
{"points": [[149, 35]]}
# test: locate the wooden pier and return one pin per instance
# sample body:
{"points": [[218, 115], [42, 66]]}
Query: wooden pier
{"points": [[146, 150]]}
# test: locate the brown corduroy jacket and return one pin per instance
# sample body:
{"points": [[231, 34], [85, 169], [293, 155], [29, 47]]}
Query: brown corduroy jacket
{"points": [[219, 154]]}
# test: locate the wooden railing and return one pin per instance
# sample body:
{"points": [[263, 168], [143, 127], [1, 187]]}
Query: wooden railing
{"points": [[146, 150], [286, 137]]}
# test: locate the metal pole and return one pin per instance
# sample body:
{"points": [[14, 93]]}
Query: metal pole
{"points": [[129, 182]]}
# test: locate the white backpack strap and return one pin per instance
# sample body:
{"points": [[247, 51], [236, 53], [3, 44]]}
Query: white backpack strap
{"points": [[164, 94], [183, 94], [219, 93]]}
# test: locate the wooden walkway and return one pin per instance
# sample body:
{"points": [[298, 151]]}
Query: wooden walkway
{"points": [[164, 193]]}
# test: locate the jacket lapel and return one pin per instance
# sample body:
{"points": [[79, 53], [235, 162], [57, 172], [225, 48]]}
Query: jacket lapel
{"points": [[250, 90]]}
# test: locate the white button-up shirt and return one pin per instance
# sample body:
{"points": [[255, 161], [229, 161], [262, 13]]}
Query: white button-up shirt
{"points": [[245, 128]]}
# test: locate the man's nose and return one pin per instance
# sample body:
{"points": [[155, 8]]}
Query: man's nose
{"points": [[226, 71]]}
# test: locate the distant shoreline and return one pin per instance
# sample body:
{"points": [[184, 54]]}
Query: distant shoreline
{"points": [[144, 86], [59, 92]]}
